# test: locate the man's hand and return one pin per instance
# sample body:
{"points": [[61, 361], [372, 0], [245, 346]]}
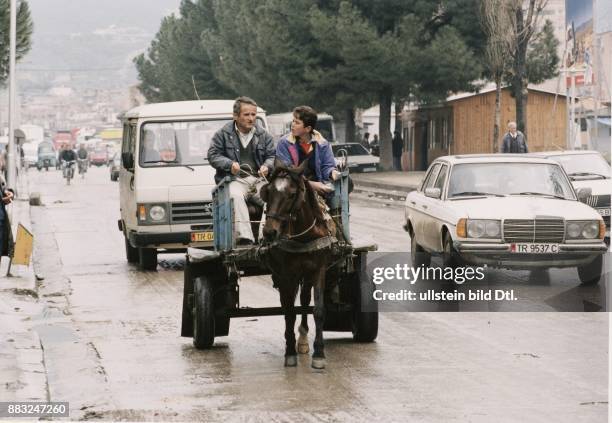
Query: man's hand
{"points": [[8, 198], [335, 175], [320, 187], [235, 168], [263, 170]]}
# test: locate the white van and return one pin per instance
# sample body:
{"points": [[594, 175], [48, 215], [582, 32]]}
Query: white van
{"points": [[280, 124], [165, 180]]}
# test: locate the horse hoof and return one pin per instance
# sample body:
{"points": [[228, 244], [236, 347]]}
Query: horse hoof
{"points": [[318, 363], [291, 361], [303, 347]]}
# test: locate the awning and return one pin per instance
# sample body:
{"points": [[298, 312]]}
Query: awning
{"points": [[604, 121]]}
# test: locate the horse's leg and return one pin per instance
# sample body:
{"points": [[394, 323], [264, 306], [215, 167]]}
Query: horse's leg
{"points": [[288, 291], [318, 357], [305, 293]]}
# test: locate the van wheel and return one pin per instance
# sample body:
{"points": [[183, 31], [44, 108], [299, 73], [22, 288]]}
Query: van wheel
{"points": [[147, 258], [130, 252], [590, 274]]}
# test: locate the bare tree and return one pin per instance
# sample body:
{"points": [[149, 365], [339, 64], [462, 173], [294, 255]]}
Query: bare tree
{"points": [[524, 21], [495, 20]]}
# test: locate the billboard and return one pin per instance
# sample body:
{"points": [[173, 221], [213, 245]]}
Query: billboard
{"points": [[579, 39]]}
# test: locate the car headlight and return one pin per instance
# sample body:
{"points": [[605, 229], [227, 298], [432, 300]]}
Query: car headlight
{"points": [[157, 213], [589, 229], [483, 228]]}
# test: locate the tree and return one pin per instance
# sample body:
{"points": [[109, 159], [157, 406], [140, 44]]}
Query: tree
{"points": [[497, 26], [177, 65], [25, 27], [526, 45]]}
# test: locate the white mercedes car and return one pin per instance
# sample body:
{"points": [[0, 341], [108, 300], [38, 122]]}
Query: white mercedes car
{"points": [[587, 169], [508, 211]]}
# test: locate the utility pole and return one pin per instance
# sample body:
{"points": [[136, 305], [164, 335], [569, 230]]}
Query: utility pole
{"points": [[12, 91]]}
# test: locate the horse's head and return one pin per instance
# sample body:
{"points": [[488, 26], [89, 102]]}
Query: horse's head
{"points": [[284, 195]]}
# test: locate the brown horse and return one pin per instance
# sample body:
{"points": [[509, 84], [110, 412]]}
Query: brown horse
{"points": [[301, 242]]}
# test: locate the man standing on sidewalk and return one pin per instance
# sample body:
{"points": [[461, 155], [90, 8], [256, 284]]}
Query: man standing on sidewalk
{"points": [[397, 144], [6, 235], [514, 140]]}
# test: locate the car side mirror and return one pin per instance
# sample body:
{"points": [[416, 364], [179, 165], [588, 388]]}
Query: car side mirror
{"points": [[433, 193], [583, 194], [128, 160]]}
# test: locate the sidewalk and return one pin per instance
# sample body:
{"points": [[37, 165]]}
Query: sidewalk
{"points": [[392, 184], [22, 369]]}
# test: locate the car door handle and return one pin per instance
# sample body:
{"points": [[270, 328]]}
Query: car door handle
{"points": [[413, 203], [424, 206]]}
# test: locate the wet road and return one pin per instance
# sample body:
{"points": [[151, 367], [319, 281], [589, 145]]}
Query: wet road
{"points": [[112, 348]]}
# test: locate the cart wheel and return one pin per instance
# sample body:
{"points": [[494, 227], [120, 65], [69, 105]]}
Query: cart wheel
{"points": [[365, 323], [130, 252], [203, 313]]}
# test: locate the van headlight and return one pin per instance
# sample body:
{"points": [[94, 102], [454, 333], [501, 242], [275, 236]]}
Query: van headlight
{"points": [[582, 230], [480, 228], [157, 213]]}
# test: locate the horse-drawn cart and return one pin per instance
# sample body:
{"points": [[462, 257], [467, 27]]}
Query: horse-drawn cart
{"points": [[211, 279]]}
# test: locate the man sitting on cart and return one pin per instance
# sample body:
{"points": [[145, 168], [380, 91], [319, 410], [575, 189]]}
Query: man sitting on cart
{"points": [[244, 150], [304, 141]]}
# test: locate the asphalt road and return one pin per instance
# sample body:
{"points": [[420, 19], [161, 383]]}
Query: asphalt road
{"points": [[112, 348]]}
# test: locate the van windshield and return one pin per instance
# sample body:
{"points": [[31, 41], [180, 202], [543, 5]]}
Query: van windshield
{"points": [[177, 143], [324, 126]]}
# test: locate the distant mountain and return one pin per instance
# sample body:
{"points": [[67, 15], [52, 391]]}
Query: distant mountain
{"points": [[90, 43]]}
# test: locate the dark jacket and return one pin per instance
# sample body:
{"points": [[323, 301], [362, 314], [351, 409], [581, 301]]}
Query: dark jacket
{"points": [[68, 155], [514, 146], [8, 245], [225, 149], [397, 144], [287, 152]]}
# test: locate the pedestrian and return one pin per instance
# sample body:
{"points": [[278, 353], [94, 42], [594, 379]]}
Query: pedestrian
{"points": [[514, 141], [397, 144], [366, 141], [375, 147], [6, 235], [243, 150]]}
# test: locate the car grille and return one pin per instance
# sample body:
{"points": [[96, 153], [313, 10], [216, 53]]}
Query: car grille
{"points": [[191, 212], [538, 230], [598, 201]]}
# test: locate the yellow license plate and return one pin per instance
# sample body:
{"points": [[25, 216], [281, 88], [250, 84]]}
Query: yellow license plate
{"points": [[201, 236]]}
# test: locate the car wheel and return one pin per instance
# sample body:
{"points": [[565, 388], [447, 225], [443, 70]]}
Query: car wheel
{"points": [[450, 257], [590, 274], [418, 255]]}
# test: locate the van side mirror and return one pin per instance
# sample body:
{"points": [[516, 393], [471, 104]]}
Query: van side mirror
{"points": [[433, 193], [583, 194], [128, 160]]}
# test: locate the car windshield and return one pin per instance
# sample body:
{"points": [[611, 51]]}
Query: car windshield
{"points": [[584, 165], [351, 149], [177, 143], [537, 179]]}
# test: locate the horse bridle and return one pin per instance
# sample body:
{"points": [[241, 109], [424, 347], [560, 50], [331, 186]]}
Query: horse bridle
{"points": [[292, 213]]}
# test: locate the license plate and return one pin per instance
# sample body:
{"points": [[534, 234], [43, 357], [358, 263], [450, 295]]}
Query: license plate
{"points": [[604, 212], [534, 248], [201, 236], [369, 169]]}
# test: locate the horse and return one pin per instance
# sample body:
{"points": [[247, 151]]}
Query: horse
{"points": [[300, 240]]}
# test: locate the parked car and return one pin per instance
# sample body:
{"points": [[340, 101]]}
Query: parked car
{"points": [[114, 167], [99, 157], [507, 211], [588, 169], [359, 159]]}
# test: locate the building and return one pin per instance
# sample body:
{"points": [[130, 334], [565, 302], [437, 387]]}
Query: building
{"points": [[463, 124]]}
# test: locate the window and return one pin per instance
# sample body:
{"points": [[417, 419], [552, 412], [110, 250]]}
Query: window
{"points": [[441, 178], [429, 179]]}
